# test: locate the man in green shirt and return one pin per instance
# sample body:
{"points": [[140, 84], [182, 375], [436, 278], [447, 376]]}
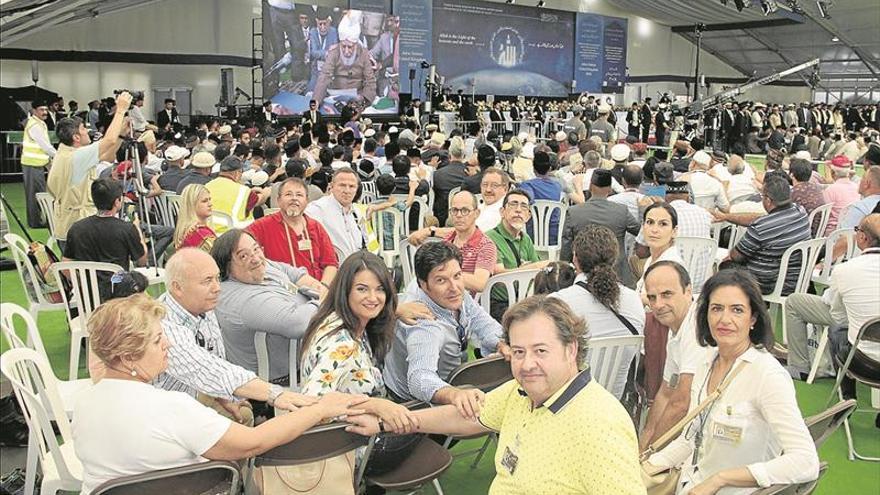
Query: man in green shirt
{"points": [[514, 246]]}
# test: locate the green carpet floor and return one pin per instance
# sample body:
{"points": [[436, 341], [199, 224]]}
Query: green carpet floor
{"points": [[843, 476]]}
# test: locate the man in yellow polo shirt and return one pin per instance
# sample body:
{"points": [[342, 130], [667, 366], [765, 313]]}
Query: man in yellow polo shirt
{"points": [[560, 432]]}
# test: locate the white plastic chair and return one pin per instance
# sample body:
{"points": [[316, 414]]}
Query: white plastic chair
{"points": [[823, 275], [607, 355], [736, 233], [698, 254], [173, 200], [388, 250], [67, 390], [421, 207], [542, 211], [825, 212], [809, 252], [519, 285], [166, 217], [30, 280], [368, 192], [47, 205], [35, 388], [83, 276], [262, 347]]}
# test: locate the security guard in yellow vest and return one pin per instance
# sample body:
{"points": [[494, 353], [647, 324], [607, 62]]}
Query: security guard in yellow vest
{"points": [[230, 197], [74, 166], [36, 151]]}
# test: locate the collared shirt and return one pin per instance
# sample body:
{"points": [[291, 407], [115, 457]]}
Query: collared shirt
{"points": [[854, 291], [708, 191], [477, 252], [342, 228], [273, 307], [490, 216], [629, 198], [857, 211], [755, 423], [810, 196], [766, 240], [683, 353], [512, 252], [317, 251], [197, 356], [603, 323], [423, 355], [841, 194], [579, 441]]}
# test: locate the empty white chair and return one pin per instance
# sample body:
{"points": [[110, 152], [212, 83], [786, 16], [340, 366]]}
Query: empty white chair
{"points": [[698, 254], [607, 356], [83, 276], [823, 274], [518, 283], [35, 388], [542, 212], [824, 213], [47, 205], [809, 253], [30, 277]]}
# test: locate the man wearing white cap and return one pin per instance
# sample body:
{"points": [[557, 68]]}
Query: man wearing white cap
{"points": [[708, 191], [200, 171], [347, 65], [174, 157], [601, 127]]}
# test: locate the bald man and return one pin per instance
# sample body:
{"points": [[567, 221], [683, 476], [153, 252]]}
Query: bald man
{"points": [[850, 301]]}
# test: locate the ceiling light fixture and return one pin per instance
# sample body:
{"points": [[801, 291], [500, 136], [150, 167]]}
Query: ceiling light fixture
{"points": [[823, 6], [769, 6], [835, 39]]}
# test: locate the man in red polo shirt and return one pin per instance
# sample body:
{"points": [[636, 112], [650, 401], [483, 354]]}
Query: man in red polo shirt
{"points": [[289, 236], [478, 252]]}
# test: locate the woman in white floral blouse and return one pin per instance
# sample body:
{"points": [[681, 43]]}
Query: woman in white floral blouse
{"points": [[346, 342]]}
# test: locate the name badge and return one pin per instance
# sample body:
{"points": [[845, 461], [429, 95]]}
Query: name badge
{"points": [[304, 245], [509, 460], [727, 433]]}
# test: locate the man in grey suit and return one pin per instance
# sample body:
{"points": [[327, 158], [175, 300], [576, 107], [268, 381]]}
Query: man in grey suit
{"points": [[598, 210]]}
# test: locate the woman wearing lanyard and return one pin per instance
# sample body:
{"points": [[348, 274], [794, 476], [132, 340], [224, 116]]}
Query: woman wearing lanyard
{"points": [[753, 434]]}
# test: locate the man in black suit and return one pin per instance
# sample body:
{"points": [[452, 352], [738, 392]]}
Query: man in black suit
{"points": [[743, 123], [267, 116], [414, 112], [312, 116], [495, 114], [633, 121], [805, 117], [661, 125], [728, 126], [168, 116], [645, 118]]}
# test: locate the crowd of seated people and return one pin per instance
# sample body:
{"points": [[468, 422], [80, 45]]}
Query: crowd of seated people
{"points": [[178, 375]]}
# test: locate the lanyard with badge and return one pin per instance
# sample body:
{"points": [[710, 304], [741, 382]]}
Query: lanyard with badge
{"points": [[301, 245]]}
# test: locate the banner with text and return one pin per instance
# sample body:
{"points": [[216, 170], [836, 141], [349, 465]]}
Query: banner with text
{"points": [[415, 42], [491, 48], [600, 53]]}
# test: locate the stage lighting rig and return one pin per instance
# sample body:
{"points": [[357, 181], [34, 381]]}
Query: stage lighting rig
{"points": [[768, 7], [823, 6]]}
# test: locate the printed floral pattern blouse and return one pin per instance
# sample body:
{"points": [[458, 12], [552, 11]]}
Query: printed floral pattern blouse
{"points": [[337, 362]]}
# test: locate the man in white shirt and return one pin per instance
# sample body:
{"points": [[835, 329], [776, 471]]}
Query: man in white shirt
{"points": [[493, 187], [335, 213], [138, 121], [850, 300], [668, 288], [708, 191]]}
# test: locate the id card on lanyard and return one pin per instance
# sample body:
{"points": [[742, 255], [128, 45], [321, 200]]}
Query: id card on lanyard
{"points": [[302, 245]]}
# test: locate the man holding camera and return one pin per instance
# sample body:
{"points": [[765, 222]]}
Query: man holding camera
{"points": [[74, 166]]}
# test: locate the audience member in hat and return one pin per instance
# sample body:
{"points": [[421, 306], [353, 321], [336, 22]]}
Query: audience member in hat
{"points": [[231, 197], [708, 190], [37, 151], [199, 171], [620, 154], [175, 172], [842, 192], [602, 128], [599, 210]]}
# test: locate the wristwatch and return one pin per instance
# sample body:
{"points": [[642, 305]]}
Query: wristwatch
{"points": [[275, 391]]}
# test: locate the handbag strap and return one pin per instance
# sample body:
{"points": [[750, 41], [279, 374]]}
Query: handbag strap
{"points": [[629, 326], [676, 430]]}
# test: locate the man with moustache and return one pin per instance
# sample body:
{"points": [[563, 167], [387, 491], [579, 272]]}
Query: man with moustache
{"points": [[289, 236]]}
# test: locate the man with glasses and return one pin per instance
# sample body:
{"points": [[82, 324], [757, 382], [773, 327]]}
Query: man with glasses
{"points": [[347, 66], [493, 186], [422, 355], [258, 295], [477, 250]]}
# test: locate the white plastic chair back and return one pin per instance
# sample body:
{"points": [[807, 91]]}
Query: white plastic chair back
{"points": [[28, 275], [824, 213], [606, 357], [542, 211], [37, 393], [262, 347], [698, 254], [173, 205], [452, 192], [8, 312], [165, 216], [421, 208], [809, 253], [407, 253], [828, 263], [47, 204], [388, 248], [368, 192], [519, 285]]}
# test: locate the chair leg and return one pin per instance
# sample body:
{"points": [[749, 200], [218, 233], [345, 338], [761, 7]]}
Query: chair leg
{"points": [[30, 474], [75, 343], [437, 487], [482, 450], [784, 326], [817, 359]]}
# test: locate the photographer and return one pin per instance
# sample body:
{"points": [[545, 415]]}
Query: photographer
{"points": [[73, 167]]}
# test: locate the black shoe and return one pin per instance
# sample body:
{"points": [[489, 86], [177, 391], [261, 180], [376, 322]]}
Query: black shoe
{"points": [[877, 422]]}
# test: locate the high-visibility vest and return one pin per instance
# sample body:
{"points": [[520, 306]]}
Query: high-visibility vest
{"points": [[229, 197], [31, 153]]}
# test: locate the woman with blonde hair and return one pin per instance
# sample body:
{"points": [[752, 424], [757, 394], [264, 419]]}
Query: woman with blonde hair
{"points": [[192, 228], [123, 425]]}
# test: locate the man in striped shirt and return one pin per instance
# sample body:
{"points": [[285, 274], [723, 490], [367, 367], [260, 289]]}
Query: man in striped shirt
{"points": [[768, 237], [197, 362]]}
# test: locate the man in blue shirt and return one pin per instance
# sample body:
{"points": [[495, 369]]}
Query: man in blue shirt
{"points": [[544, 186], [422, 355]]}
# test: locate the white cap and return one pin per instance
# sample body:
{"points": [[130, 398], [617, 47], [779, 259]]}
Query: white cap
{"points": [[259, 178], [561, 136], [522, 136], [604, 108], [702, 158], [350, 27], [620, 152], [369, 133], [247, 175], [174, 153], [392, 130], [803, 154]]}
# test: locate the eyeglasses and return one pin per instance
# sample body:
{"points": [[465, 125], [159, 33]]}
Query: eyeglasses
{"points": [[244, 255], [491, 185], [460, 211], [516, 205]]}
